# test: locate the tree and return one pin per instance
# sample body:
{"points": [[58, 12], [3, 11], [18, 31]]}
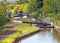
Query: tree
{"points": [[21, 1], [55, 6], [3, 19], [37, 4], [51, 6]]}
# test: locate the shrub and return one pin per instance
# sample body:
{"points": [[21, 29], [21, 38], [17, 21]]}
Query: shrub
{"points": [[3, 19]]}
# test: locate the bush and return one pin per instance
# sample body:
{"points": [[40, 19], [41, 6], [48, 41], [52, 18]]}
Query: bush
{"points": [[3, 19]]}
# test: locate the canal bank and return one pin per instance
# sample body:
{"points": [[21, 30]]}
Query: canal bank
{"points": [[23, 36], [57, 28], [26, 35], [24, 28], [45, 36]]}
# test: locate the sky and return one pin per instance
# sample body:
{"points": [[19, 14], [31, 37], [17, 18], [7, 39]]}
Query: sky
{"points": [[9, 0]]}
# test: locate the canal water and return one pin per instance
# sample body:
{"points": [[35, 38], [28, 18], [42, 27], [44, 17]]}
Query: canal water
{"points": [[45, 36]]}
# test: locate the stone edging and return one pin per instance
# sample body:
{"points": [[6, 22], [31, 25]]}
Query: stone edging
{"points": [[25, 35]]}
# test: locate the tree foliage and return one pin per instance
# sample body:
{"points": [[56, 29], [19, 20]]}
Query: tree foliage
{"points": [[34, 7], [37, 4], [51, 6], [3, 19]]}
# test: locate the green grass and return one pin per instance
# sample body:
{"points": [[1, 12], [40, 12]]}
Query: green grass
{"points": [[25, 28], [26, 20], [10, 38]]}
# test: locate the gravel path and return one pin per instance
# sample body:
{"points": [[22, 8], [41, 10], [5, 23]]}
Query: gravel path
{"points": [[9, 31]]}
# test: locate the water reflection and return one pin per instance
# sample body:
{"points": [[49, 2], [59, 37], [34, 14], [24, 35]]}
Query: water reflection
{"points": [[45, 36], [57, 36]]}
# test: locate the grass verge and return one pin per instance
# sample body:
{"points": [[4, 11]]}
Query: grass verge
{"points": [[24, 28]]}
